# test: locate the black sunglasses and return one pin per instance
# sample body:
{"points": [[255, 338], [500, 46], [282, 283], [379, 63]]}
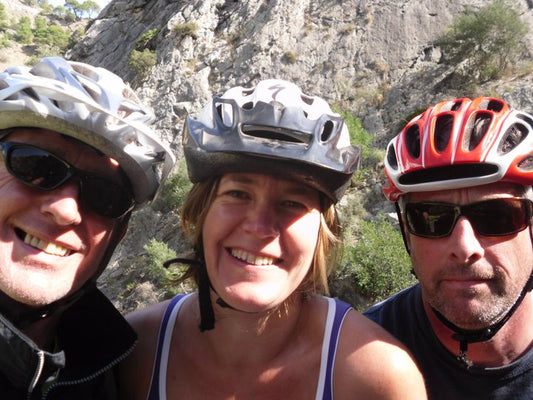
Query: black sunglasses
{"points": [[43, 170], [495, 217]]}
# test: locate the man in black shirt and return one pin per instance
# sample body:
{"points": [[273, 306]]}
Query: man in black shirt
{"points": [[460, 178]]}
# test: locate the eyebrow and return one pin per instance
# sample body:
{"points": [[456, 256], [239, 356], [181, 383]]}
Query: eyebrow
{"points": [[293, 187]]}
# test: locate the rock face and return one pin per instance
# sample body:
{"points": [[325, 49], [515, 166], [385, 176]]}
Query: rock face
{"points": [[375, 57]]}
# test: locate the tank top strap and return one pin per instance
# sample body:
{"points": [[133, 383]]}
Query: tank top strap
{"points": [[159, 373], [337, 311]]}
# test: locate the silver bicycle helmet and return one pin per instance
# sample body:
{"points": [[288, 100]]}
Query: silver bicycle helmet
{"points": [[271, 128], [94, 106]]}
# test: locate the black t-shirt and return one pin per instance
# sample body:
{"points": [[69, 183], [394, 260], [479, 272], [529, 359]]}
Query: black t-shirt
{"points": [[403, 315]]}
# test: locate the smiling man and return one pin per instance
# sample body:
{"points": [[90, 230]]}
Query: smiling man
{"points": [[461, 178], [78, 156]]}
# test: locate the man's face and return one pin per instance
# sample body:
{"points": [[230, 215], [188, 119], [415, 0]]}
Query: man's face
{"points": [[49, 245], [469, 278]]}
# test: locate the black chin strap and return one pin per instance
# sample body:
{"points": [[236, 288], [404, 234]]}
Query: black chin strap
{"points": [[464, 336], [207, 315]]}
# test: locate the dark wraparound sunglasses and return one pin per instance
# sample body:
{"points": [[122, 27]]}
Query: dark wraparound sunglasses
{"points": [[43, 170], [495, 217]]}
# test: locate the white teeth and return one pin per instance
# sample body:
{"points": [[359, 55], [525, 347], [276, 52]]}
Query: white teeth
{"points": [[250, 258], [49, 248]]}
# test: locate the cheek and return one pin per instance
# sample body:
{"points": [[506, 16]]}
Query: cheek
{"points": [[304, 234]]}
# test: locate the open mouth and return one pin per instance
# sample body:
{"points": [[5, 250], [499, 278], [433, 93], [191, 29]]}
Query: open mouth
{"points": [[251, 258], [47, 247]]}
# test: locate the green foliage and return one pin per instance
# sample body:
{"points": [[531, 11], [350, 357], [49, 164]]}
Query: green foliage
{"points": [[51, 35], [141, 62], [146, 40], [186, 29], [484, 42], [4, 24], [378, 263], [370, 156], [157, 253], [174, 190], [23, 32], [289, 57], [81, 8]]}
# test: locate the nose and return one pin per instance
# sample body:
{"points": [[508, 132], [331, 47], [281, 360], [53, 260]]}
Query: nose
{"points": [[464, 243], [62, 204], [261, 221]]}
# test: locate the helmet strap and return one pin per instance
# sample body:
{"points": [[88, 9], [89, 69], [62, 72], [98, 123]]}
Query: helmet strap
{"points": [[465, 336]]}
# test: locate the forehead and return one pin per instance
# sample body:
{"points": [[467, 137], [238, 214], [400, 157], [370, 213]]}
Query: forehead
{"points": [[252, 178], [469, 194]]}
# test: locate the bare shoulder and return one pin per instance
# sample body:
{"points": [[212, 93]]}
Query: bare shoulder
{"points": [[370, 362], [136, 370]]}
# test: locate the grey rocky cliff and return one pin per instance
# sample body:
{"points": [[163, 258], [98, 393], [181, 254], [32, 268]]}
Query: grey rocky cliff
{"points": [[375, 57]]}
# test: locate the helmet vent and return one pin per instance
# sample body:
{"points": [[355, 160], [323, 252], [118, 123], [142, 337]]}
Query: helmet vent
{"points": [[391, 157], [443, 131], [476, 130], [526, 119], [456, 105], [526, 164], [412, 141], [248, 106], [225, 113], [492, 105], [307, 99], [327, 130], [265, 132], [513, 136], [30, 92], [448, 173], [248, 92]]}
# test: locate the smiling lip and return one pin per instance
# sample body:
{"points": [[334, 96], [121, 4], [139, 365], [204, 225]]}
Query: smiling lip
{"points": [[251, 258], [47, 247]]}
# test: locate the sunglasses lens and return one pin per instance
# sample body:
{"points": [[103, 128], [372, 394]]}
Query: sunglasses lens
{"points": [[499, 217], [40, 169], [430, 219], [37, 167], [104, 197]]}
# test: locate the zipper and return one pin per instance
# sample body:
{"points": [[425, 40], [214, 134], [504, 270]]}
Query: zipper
{"points": [[92, 376], [37, 375]]}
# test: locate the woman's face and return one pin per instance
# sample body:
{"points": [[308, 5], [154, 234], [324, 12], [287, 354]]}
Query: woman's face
{"points": [[259, 238]]}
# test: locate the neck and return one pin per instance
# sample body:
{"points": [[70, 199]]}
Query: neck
{"points": [[264, 334], [512, 340]]}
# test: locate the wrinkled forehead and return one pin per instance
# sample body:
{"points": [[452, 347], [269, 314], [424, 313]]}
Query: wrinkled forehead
{"points": [[473, 193]]}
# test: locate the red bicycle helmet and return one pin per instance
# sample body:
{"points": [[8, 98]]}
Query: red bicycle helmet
{"points": [[460, 143]]}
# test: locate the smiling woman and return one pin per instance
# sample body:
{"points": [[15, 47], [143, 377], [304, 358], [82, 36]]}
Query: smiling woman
{"points": [[268, 164]]}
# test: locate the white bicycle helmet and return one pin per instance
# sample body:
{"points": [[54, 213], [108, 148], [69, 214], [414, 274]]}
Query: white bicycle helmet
{"points": [[94, 106], [271, 128]]}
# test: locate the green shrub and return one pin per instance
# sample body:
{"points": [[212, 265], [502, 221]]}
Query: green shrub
{"points": [[23, 31], [157, 253], [174, 190], [370, 156], [51, 35], [484, 42], [378, 265], [289, 57], [146, 40], [142, 62], [186, 29]]}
